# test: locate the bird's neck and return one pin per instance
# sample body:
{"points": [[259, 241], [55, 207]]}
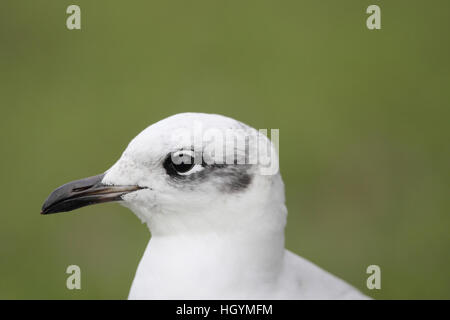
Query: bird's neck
{"points": [[208, 264]]}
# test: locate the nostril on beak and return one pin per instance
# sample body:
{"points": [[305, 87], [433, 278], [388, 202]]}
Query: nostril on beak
{"points": [[81, 189]]}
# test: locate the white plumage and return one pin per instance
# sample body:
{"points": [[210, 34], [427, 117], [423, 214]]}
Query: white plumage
{"points": [[215, 235]]}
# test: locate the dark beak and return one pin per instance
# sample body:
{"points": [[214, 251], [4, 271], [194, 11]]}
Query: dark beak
{"points": [[84, 192]]}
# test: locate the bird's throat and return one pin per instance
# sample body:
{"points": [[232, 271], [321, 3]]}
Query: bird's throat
{"points": [[180, 266]]}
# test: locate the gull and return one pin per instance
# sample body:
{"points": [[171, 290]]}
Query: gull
{"points": [[217, 227]]}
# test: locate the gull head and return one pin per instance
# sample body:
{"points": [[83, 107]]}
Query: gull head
{"points": [[189, 173]]}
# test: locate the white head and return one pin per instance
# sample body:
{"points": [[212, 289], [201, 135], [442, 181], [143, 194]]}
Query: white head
{"points": [[201, 193]]}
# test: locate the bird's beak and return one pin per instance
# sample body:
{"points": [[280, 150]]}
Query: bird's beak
{"points": [[84, 192]]}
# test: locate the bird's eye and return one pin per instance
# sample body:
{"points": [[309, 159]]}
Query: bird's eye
{"points": [[181, 163]]}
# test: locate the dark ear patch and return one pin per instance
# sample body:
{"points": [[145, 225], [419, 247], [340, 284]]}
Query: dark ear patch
{"points": [[232, 178], [240, 182]]}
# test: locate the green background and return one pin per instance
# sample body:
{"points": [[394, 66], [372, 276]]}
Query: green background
{"points": [[363, 118]]}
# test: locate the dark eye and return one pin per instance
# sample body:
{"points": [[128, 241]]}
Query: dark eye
{"points": [[181, 163], [183, 167]]}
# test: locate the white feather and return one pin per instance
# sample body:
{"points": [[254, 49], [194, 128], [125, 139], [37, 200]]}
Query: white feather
{"points": [[207, 243]]}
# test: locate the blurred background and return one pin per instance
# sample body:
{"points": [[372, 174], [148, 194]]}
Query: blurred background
{"points": [[363, 118]]}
